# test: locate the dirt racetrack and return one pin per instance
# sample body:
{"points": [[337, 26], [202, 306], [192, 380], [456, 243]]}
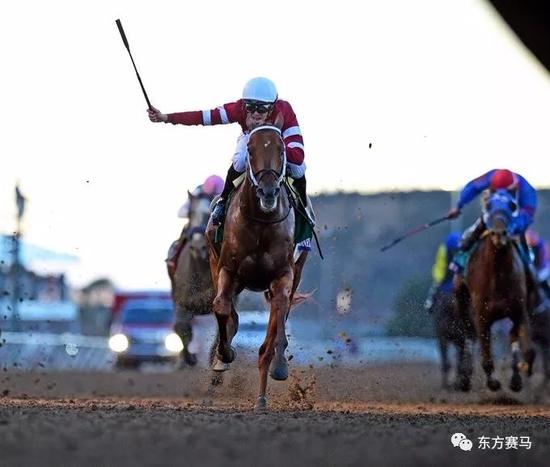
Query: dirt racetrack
{"points": [[393, 414]]}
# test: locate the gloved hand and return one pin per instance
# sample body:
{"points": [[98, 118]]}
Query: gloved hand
{"points": [[453, 213], [156, 115]]}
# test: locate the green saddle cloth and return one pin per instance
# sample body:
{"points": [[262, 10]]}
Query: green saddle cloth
{"points": [[302, 228]]}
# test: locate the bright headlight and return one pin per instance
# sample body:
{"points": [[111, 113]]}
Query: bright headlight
{"points": [[118, 343], [173, 343]]}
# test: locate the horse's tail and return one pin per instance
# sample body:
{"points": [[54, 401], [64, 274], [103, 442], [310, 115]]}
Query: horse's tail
{"points": [[297, 299]]}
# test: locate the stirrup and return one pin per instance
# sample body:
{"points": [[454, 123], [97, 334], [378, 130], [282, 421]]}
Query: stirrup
{"points": [[218, 212], [458, 263]]}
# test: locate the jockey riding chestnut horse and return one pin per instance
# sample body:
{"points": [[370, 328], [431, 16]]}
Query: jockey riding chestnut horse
{"points": [[259, 105], [495, 285], [257, 251], [525, 197]]}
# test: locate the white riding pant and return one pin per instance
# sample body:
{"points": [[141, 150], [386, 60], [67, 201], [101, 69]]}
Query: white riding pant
{"points": [[241, 154]]}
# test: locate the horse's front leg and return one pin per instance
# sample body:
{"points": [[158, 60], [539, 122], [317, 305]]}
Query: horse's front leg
{"points": [[484, 335], [281, 291], [223, 309], [275, 341]]}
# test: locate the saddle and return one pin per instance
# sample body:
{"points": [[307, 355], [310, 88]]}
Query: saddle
{"points": [[304, 217], [461, 258]]}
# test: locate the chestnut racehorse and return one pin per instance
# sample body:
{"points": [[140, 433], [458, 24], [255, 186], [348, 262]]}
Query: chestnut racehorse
{"points": [[257, 253], [496, 286]]}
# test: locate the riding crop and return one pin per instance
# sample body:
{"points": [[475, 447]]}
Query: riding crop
{"points": [[121, 30], [414, 231]]}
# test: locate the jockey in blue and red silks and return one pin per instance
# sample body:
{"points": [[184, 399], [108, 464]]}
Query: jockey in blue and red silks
{"points": [[497, 179], [260, 105], [526, 200]]}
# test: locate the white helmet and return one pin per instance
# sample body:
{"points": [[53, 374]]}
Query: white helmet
{"points": [[260, 89]]}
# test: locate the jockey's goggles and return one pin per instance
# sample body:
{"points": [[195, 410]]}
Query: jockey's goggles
{"points": [[256, 106]]}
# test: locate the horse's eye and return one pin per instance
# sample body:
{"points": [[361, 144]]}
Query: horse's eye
{"points": [[512, 206]]}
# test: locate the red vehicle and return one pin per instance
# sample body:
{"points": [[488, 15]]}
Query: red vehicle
{"points": [[142, 329]]}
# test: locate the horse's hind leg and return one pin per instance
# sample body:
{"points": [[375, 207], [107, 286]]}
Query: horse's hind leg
{"points": [[527, 348], [265, 356], [184, 330], [464, 367], [484, 334], [445, 365]]}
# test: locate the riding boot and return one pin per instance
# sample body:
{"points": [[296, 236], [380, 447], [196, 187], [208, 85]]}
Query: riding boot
{"points": [[469, 238], [472, 235], [219, 210], [300, 185], [175, 250]]}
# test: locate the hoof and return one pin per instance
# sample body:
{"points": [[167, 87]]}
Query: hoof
{"points": [[279, 370], [525, 368], [190, 358], [515, 383], [493, 384], [218, 365], [261, 404], [229, 356], [462, 384]]}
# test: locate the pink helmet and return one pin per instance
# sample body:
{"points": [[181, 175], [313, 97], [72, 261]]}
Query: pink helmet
{"points": [[213, 185]]}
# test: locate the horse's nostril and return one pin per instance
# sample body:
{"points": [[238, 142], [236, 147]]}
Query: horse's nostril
{"points": [[277, 191]]}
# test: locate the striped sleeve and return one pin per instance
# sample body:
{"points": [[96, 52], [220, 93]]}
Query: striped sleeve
{"points": [[222, 115], [292, 137]]}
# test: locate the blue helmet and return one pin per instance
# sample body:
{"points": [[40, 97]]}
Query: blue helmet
{"points": [[260, 89]]}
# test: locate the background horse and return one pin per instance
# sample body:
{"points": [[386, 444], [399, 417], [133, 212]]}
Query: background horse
{"points": [[496, 286], [192, 289], [450, 328], [257, 253]]}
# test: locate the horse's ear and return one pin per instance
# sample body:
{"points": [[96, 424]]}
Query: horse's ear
{"points": [[190, 195], [279, 121]]}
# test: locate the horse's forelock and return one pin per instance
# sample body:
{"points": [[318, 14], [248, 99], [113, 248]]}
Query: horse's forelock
{"points": [[260, 139]]}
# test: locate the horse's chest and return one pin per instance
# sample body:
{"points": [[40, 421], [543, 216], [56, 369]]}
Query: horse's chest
{"points": [[260, 264]]}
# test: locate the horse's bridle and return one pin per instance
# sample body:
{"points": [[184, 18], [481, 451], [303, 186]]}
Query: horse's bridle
{"points": [[256, 177]]}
